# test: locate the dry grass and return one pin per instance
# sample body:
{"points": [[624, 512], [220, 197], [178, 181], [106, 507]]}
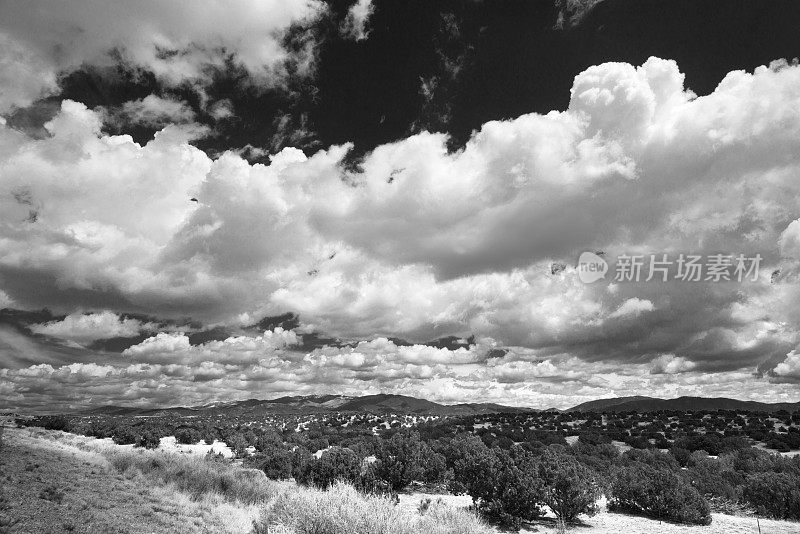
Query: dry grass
{"points": [[230, 496], [117, 489], [196, 476], [342, 510], [98, 498]]}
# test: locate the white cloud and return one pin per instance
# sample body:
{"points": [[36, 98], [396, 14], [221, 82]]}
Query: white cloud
{"points": [[790, 367], [789, 240], [157, 111], [166, 370], [454, 243], [24, 76], [5, 300], [82, 328], [670, 364], [177, 40], [633, 306], [170, 348], [355, 24]]}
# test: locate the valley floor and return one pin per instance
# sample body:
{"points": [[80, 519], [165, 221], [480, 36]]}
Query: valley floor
{"points": [[52, 487]]}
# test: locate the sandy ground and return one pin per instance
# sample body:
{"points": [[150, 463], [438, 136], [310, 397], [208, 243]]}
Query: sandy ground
{"points": [[614, 523], [52, 487], [170, 444], [218, 447], [606, 523]]}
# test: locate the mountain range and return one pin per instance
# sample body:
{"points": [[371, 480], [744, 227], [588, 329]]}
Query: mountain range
{"points": [[386, 403], [652, 404], [308, 404]]}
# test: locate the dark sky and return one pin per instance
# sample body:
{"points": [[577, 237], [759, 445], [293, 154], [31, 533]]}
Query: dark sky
{"points": [[486, 60]]}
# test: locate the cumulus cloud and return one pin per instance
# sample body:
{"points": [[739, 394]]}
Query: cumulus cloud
{"points": [[166, 371], [83, 328], [423, 242], [790, 367], [178, 41], [671, 364], [169, 348]]}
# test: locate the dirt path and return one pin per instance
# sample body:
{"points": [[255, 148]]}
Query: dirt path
{"points": [[55, 488]]}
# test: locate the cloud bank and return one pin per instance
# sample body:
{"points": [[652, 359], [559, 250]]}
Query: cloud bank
{"points": [[421, 242]]}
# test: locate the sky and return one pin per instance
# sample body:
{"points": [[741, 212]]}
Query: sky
{"points": [[530, 203]]}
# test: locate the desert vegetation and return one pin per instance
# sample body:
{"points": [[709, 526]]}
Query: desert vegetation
{"points": [[515, 467]]}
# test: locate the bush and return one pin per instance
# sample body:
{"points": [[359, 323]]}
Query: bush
{"points": [[681, 455], [569, 487], [505, 490], [774, 494], [55, 422], [658, 492], [712, 478], [188, 435], [403, 459], [335, 464], [149, 440], [275, 462], [125, 435]]}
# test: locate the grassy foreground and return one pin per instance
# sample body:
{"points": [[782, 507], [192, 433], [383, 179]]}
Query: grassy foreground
{"points": [[77, 484], [54, 482]]}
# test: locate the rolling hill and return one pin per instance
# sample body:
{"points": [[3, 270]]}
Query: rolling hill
{"points": [[652, 404], [308, 404], [402, 404]]}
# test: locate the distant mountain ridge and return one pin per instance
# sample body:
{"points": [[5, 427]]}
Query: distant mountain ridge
{"points": [[309, 404], [388, 403], [653, 404]]}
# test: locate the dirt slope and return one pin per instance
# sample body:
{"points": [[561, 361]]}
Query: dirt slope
{"points": [[55, 488]]}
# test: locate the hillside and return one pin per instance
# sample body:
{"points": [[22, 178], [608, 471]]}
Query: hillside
{"points": [[56, 482], [310, 404], [51, 486], [403, 404], [652, 404]]}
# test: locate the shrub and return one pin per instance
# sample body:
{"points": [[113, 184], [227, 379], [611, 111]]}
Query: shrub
{"points": [[774, 494], [681, 455], [149, 440], [56, 422], [593, 438], [275, 462], [335, 464], [188, 435], [125, 435], [711, 477], [505, 490], [403, 459], [569, 487], [237, 443], [658, 492]]}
